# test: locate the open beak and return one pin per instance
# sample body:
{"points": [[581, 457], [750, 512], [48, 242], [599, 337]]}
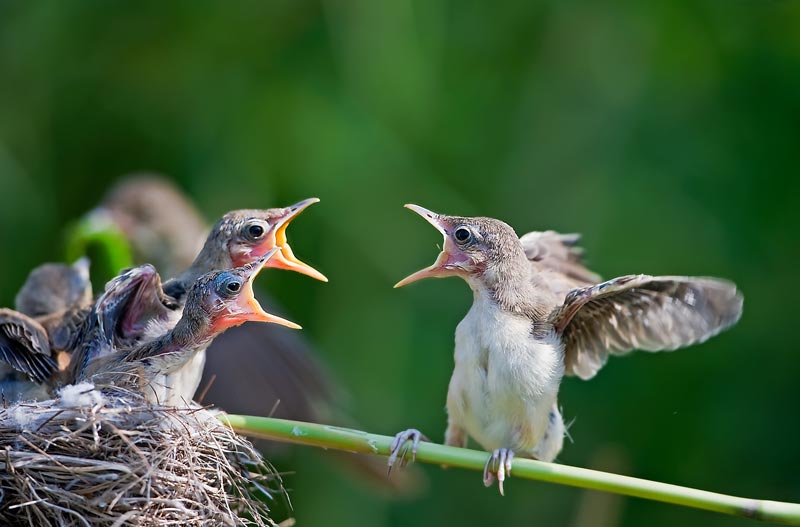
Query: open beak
{"points": [[126, 298], [449, 261], [286, 259], [246, 302]]}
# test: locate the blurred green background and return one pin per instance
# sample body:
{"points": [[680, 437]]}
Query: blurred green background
{"points": [[667, 132]]}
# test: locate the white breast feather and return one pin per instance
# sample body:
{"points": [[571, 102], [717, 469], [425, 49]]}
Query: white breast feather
{"points": [[505, 382], [156, 328]]}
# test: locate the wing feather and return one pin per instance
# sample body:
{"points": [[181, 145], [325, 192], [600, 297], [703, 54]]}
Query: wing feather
{"points": [[642, 312], [24, 346], [557, 261]]}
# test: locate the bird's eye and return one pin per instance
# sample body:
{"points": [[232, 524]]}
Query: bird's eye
{"points": [[255, 231], [227, 285], [462, 235]]}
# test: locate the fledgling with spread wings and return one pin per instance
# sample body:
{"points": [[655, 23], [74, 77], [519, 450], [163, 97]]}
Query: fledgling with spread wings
{"points": [[538, 314]]}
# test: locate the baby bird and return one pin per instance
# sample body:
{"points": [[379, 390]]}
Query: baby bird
{"points": [[238, 238], [538, 314], [241, 237], [54, 287], [59, 297], [131, 302], [216, 302]]}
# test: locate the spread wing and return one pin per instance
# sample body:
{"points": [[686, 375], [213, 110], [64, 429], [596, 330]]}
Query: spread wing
{"points": [[24, 346], [641, 312], [558, 260]]}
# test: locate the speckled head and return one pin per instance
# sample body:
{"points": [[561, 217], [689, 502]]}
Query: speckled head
{"points": [[474, 248], [224, 299], [242, 236]]}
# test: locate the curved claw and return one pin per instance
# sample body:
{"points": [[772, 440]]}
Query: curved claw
{"points": [[399, 448], [498, 466]]}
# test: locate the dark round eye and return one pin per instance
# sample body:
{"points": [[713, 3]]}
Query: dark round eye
{"points": [[227, 285], [255, 231], [462, 234]]}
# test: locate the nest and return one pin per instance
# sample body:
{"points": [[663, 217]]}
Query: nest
{"points": [[103, 458]]}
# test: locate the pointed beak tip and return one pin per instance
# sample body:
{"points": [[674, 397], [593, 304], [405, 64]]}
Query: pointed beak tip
{"points": [[269, 318], [297, 207], [429, 216], [407, 280], [284, 322], [422, 211]]}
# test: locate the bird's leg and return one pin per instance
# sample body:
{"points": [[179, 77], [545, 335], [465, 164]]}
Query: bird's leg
{"points": [[455, 435], [400, 449], [498, 466]]}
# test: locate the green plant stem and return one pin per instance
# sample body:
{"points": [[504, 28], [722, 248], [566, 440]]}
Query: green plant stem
{"points": [[97, 235], [326, 436]]}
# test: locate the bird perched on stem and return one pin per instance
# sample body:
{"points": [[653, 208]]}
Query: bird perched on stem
{"points": [[538, 314]]}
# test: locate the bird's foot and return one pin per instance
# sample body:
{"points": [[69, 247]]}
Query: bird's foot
{"points": [[498, 466], [399, 447]]}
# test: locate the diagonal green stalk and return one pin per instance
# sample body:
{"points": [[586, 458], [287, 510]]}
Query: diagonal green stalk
{"points": [[326, 436]]}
